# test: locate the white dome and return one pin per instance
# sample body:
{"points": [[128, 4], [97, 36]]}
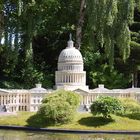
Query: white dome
{"points": [[70, 54]]}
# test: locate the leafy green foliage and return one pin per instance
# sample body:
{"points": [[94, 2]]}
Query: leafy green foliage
{"points": [[130, 105], [109, 77], [68, 96], [35, 32], [57, 112], [106, 106], [108, 22], [30, 76], [59, 107]]}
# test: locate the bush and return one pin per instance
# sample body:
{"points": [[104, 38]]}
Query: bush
{"points": [[59, 107], [106, 105], [130, 105]]}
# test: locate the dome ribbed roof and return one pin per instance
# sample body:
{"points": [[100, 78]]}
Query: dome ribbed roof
{"points": [[70, 54]]}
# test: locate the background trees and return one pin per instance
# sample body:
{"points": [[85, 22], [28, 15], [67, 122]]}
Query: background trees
{"points": [[33, 32]]}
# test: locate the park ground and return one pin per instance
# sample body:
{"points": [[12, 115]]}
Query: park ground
{"points": [[82, 121]]}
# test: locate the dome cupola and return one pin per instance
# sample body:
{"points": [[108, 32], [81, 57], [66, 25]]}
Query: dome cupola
{"points": [[70, 54]]}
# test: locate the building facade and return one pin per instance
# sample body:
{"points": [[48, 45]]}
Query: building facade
{"points": [[69, 76]]}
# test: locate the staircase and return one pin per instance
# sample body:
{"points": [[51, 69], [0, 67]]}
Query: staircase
{"points": [[82, 108], [2, 108]]}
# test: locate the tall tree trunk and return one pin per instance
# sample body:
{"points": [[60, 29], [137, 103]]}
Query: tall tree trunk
{"points": [[16, 40], [1, 25], [80, 24], [135, 79]]}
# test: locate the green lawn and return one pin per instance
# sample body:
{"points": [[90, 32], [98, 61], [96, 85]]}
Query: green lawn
{"points": [[84, 121]]}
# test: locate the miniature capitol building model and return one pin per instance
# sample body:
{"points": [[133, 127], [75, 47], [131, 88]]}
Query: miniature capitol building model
{"points": [[69, 76]]}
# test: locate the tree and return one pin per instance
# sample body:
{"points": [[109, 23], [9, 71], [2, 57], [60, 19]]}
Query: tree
{"points": [[130, 105], [80, 24], [59, 107], [1, 20], [108, 23], [106, 106], [108, 76]]}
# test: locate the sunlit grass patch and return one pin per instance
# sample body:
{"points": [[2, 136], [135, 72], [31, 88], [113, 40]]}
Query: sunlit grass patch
{"points": [[82, 121]]}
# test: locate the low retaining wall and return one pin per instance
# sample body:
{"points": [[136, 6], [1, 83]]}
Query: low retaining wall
{"points": [[69, 130]]}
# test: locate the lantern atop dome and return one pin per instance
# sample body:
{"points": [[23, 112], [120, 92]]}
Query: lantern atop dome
{"points": [[70, 42]]}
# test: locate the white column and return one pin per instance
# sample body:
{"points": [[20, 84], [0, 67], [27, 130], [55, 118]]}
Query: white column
{"points": [[87, 99], [5, 99], [68, 78], [55, 78], [65, 79], [8, 99], [24, 98], [84, 99], [83, 79], [17, 102], [21, 98], [78, 76], [2, 100], [59, 80]]}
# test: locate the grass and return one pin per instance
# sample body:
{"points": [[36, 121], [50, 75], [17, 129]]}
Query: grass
{"points": [[82, 121], [18, 120]]}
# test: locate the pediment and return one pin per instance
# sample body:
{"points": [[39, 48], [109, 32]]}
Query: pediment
{"points": [[3, 91], [81, 91]]}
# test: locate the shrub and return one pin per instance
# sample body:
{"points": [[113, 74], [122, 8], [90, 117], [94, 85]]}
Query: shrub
{"points": [[72, 98], [106, 105], [130, 105], [59, 107]]}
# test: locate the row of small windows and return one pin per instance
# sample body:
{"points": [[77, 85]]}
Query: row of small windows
{"points": [[71, 56], [36, 101], [22, 108], [18, 108], [78, 68], [37, 96], [70, 78]]}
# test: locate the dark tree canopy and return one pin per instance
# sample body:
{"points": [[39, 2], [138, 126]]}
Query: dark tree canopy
{"points": [[33, 32]]}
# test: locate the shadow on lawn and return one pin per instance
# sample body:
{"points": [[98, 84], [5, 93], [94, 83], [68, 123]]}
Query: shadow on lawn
{"points": [[134, 116], [38, 121], [95, 121]]}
